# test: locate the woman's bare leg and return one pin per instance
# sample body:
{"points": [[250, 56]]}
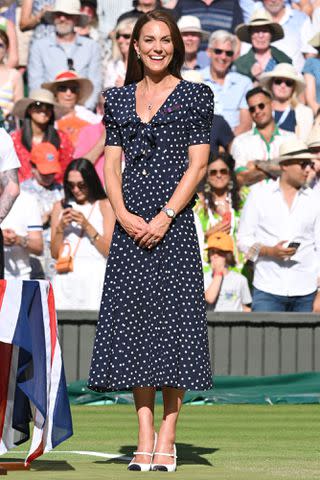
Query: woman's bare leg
{"points": [[144, 401], [172, 402]]}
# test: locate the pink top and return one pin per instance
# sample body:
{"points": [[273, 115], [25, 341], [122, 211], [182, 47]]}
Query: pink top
{"points": [[88, 137]]}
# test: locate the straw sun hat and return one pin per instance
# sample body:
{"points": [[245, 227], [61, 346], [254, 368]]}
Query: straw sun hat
{"points": [[68, 76], [69, 7], [259, 18], [190, 23], [39, 95], [283, 70], [294, 149]]}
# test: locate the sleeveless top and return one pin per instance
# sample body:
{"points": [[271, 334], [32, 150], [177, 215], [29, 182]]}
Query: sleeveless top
{"points": [[7, 94]]}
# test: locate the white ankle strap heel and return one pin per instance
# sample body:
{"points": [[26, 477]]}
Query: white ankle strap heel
{"points": [[143, 467], [172, 467]]}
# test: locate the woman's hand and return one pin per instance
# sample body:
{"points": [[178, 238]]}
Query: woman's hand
{"points": [[66, 219], [221, 226], [79, 218], [134, 225], [157, 228]]}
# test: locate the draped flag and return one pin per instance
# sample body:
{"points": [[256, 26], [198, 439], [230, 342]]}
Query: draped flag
{"points": [[32, 379]]}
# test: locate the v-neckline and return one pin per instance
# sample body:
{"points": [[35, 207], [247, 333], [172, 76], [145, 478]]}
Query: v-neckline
{"points": [[159, 109]]}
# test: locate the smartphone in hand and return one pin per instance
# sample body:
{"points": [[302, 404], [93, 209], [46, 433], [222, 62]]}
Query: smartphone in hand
{"points": [[295, 245]]}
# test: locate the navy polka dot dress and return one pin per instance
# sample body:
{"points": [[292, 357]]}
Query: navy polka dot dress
{"points": [[152, 327]]}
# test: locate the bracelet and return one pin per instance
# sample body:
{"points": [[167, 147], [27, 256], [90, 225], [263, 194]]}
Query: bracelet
{"points": [[94, 238]]}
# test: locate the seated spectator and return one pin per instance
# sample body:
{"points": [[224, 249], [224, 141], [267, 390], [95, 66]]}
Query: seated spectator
{"points": [[39, 112], [71, 92], [311, 71], [262, 57], [225, 289], [280, 231], [313, 142], [11, 84], [192, 35], [254, 150], [9, 28], [285, 86], [22, 235], [65, 49], [230, 87], [84, 223], [90, 30], [46, 191], [115, 68], [32, 18], [140, 7], [297, 29], [220, 204]]}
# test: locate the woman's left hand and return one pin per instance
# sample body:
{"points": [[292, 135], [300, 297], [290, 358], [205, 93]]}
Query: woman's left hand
{"points": [[79, 218], [157, 228]]}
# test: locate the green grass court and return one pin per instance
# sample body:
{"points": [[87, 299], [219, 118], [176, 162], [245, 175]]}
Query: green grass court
{"points": [[229, 442]]}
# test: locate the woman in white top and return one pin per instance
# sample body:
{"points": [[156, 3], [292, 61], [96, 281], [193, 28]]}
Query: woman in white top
{"points": [[115, 68], [84, 223], [285, 85]]}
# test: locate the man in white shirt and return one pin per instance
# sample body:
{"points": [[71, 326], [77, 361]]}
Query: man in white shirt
{"points": [[9, 184], [280, 231], [261, 143]]}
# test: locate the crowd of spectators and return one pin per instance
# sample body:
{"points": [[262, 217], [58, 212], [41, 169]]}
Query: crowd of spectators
{"points": [[257, 216]]}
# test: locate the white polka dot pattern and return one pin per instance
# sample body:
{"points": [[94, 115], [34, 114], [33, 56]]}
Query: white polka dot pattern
{"points": [[152, 325]]}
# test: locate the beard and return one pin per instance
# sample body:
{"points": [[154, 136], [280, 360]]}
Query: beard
{"points": [[63, 29]]}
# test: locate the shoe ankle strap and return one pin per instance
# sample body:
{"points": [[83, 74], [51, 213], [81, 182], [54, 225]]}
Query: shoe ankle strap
{"points": [[143, 453], [166, 454]]}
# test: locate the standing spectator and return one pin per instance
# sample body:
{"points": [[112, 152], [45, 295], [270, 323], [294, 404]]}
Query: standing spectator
{"points": [[229, 87], [71, 93], [297, 29], [280, 232], [46, 191], [311, 72], [225, 289], [22, 236], [11, 84], [192, 35], [38, 113], [86, 223], [262, 57], [9, 184], [115, 68], [254, 150], [65, 49], [285, 86], [32, 17]]}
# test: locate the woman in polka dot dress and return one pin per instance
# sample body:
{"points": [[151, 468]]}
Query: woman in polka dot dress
{"points": [[152, 331]]}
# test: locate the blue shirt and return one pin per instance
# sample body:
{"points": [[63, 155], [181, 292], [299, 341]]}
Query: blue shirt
{"points": [[312, 66], [231, 96], [47, 58]]}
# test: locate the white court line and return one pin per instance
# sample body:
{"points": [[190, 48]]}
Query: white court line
{"points": [[84, 452]]}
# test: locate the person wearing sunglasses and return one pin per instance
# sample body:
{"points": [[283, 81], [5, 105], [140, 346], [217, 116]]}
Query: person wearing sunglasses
{"points": [[72, 91], [83, 221], [115, 68], [280, 232], [229, 87], [286, 86], [254, 150], [261, 31], [38, 113]]}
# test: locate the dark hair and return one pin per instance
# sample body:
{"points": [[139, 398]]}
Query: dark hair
{"points": [[4, 37], [50, 134], [135, 3], [234, 187], [135, 66], [90, 177], [229, 256], [256, 91]]}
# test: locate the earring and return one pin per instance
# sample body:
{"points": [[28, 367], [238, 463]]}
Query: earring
{"points": [[138, 56], [230, 185]]}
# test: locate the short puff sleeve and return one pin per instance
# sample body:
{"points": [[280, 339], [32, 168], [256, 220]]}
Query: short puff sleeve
{"points": [[113, 134], [200, 115]]}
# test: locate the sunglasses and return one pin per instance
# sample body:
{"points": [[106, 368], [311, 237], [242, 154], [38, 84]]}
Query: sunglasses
{"points": [[40, 106], [280, 81], [260, 106], [81, 185], [124, 35], [220, 51], [65, 88], [222, 171], [304, 164]]}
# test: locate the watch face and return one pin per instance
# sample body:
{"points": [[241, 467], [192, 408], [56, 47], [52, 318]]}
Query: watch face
{"points": [[170, 212]]}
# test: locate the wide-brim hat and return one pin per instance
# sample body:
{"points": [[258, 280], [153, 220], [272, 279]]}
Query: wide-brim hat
{"points": [[283, 70], [259, 18], [313, 139], [69, 7], [190, 23], [39, 95], [294, 149], [315, 40], [85, 85], [221, 241]]}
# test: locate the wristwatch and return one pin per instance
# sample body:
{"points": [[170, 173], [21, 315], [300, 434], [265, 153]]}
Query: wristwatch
{"points": [[169, 212]]}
